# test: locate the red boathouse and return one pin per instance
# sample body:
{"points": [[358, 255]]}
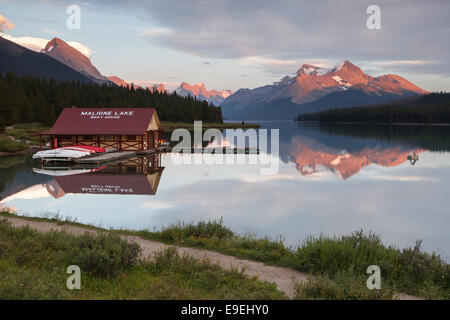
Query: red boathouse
{"points": [[119, 128]]}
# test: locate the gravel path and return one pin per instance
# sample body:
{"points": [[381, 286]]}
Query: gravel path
{"points": [[284, 278]]}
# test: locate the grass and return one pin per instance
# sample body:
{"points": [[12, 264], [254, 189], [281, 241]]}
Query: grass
{"points": [[407, 270], [33, 266], [25, 132], [339, 264], [344, 286], [8, 145], [171, 126]]}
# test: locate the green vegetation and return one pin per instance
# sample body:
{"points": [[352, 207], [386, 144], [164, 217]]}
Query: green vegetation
{"points": [[408, 270], [432, 108], [338, 264], [27, 100], [9, 145], [33, 266], [170, 126], [26, 133], [344, 286]]}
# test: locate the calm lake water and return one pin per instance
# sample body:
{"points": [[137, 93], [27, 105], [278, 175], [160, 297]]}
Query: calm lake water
{"points": [[331, 180]]}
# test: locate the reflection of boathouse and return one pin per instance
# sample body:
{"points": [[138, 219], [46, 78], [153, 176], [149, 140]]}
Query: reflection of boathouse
{"points": [[122, 129], [136, 176]]}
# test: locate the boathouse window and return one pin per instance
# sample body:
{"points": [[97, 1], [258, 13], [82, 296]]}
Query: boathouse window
{"points": [[66, 138], [131, 138], [88, 138], [110, 138]]}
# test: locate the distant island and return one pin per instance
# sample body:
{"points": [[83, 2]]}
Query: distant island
{"points": [[432, 108]]}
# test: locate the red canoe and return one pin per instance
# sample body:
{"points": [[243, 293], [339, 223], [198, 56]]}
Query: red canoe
{"points": [[96, 149]]}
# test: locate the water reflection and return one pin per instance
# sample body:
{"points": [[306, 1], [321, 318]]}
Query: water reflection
{"points": [[346, 149], [136, 176], [332, 180]]}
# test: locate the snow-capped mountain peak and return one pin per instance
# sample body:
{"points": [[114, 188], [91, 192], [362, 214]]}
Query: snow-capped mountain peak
{"points": [[311, 83], [199, 91]]}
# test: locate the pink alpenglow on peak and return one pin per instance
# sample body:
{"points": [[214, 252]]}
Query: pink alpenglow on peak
{"points": [[199, 91], [118, 81], [159, 87], [71, 57], [313, 88]]}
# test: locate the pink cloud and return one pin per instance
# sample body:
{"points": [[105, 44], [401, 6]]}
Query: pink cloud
{"points": [[5, 23]]}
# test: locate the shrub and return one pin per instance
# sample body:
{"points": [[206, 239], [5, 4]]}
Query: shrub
{"points": [[202, 230], [8, 145], [344, 286], [104, 255]]}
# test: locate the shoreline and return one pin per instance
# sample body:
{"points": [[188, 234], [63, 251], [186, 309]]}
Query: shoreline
{"points": [[169, 126], [271, 254], [28, 150], [376, 123]]}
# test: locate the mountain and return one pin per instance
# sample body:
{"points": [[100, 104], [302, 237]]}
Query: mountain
{"points": [[198, 90], [312, 89], [159, 88], [25, 62], [64, 53], [311, 157], [118, 81]]}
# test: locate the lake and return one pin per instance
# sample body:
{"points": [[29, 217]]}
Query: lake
{"points": [[332, 179]]}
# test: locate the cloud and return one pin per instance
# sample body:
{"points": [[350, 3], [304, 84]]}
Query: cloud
{"points": [[297, 30], [82, 48], [156, 32], [5, 24], [404, 62], [37, 44], [34, 192], [52, 32], [282, 66], [32, 43]]}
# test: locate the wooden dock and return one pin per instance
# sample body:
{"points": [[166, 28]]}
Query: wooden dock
{"points": [[153, 151], [221, 150], [114, 156]]}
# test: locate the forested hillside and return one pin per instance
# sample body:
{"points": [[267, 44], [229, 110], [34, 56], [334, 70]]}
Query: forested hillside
{"points": [[24, 100], [431, 108]]}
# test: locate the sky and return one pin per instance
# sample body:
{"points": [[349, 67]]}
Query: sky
{"points": [[241, 44]]}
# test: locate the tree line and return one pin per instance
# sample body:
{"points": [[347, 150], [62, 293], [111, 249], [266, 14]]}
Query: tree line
{"points": [[431, 108], [30, 99]]}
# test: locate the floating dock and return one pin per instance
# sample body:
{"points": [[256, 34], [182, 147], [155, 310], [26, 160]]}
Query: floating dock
{"points": [[220, 150], [114, 156]]}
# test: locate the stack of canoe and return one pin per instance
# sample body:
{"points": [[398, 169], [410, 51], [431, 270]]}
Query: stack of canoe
{"points": [[68, 153]]}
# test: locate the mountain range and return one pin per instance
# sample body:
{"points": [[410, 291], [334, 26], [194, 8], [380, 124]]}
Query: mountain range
{"points": [[310, 89], [313, 89], [25, 62], [199, 91]]}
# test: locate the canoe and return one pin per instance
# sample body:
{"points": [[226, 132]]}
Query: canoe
{"points": [[77, 149], [68, 172], [96, 149], [60, 153]]}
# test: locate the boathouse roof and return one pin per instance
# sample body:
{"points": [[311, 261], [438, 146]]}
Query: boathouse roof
{"points": [[105, 121]]}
